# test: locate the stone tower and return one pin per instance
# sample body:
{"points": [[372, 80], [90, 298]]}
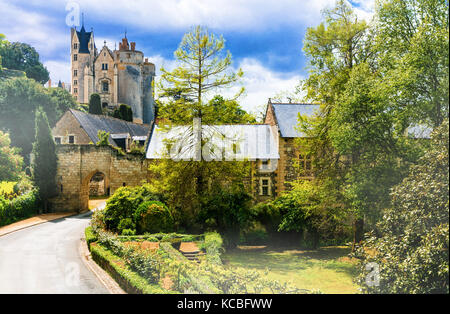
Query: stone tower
{"points": [[121, 76]]}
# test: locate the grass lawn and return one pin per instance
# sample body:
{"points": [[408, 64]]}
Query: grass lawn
{"points": [[327, 269]]}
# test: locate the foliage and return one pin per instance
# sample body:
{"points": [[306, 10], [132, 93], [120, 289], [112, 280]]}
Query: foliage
{"points": [[212, 244], [23, 57], [154, 216], [412, 252], [90, 236], [64, 100], [103, 138], [124, 203], [20, 207], [137, 149], [10, 160], [44, 159], [95, 104], [127, 227], [124, 112], [202, 68], [19, 100]]}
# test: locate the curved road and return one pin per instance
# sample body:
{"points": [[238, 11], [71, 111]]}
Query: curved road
{"points": [[46, 259]]}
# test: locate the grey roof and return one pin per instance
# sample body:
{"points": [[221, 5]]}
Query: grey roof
{"points": [[287, 117], [84, 38], [92, 123], [420, 131], [226, 142]]}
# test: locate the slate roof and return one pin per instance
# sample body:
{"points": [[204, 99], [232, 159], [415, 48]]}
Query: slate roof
{"points": [[239, 142], [83, 38], [92, 123], [286, 116]]}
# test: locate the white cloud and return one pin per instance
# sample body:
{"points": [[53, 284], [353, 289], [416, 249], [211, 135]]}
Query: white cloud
{"points": [[58, 71]]}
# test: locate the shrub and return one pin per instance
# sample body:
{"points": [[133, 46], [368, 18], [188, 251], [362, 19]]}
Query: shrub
{"points": [[90, 236], [257, 236], [126, 223], [154, 216], [124, 203], [213, 246], [19, 208], [128, 232]]}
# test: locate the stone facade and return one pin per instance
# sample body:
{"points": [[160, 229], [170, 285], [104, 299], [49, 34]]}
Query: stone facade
{"points": [[77, 164], [121, 76]]}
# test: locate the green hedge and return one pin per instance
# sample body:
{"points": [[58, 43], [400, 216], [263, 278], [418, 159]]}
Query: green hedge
{"points": [[90, 236], [19, 208], [127, 279], [213, 245]]}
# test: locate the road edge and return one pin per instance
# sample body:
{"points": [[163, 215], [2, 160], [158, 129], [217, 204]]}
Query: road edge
{"points": [[110, 284]]}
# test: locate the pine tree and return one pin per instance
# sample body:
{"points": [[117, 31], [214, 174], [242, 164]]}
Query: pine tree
{"points": [[95, 106], [45, 160]]}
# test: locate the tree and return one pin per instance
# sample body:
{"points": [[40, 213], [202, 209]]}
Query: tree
{"points": [[44, 159], [412, 251], [95, 106], [23, 57], [64, 100], [124, 112], [10, 160], [19, 100], [202, 68]]}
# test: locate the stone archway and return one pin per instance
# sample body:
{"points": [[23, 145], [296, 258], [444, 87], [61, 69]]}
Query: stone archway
{"points": [[86, 184]]}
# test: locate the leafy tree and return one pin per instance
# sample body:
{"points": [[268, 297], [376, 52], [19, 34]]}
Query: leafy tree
{"points": [[44, 159], [103, 138], [412, 252], [95, 106], [10, 160], [23, 57], [124, 112], [2, 37], [64, 100], [202, 68], [19, 100]]}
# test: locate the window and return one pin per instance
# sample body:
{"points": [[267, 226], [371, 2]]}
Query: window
{"points": [[71, 139], [264, 164], [305, 162], [57, 140], [75, 46], [75, 57], [104, 66], [105, 86], [75, 82], [75, 72], [264, 187], [75, 90]]}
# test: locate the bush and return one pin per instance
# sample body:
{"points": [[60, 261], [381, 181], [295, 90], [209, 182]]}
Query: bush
{"points": [[126, 223], [124, 203], [257, 236], [213, 246], [90, 236], [21, 207], [154, 216]]}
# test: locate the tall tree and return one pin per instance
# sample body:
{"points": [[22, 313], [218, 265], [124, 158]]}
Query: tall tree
{"points": [[23, 57], [203, 67], [124, 112], [19, 99], [45, 159], [95, 104]]}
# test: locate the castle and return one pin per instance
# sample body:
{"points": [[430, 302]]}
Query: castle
{"points": [[121, 76]]}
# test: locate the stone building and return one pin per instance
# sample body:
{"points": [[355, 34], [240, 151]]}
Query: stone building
{"points": [[271, 148], [121, 76], [79, 128]]}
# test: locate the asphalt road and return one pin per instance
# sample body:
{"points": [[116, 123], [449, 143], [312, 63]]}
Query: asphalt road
{"points": [[46, 259]]}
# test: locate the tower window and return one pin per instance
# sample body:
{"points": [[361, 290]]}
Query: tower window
{"points": [[75, 72], [75, 90], [105, 86], [75, 57], [75, 82], [104, 66], [75, 46]]}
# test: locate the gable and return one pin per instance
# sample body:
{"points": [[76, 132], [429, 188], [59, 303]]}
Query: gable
{"points": [[286, 117]]}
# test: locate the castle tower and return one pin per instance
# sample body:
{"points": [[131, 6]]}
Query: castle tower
{"points": [[82, 53]]}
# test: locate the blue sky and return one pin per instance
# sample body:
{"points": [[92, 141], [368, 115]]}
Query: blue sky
{"points": [[264, 37]]}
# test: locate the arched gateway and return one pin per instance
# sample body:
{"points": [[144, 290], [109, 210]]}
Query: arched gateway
{"points": [[78, 164]]}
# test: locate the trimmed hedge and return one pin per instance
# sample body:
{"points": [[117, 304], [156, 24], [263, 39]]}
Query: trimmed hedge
{"points": [[213, 246], [19, 208], [90, 236], [127, 279]]}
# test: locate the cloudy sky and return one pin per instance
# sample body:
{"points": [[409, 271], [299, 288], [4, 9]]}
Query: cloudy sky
{"points": [[264, 37]]}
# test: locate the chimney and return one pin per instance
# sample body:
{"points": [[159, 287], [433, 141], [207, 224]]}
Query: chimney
{"points": [[49, 83], [133, 46]]}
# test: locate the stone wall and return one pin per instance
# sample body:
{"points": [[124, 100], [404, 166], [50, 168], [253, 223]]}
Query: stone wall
{"points": [[77, 164]]}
